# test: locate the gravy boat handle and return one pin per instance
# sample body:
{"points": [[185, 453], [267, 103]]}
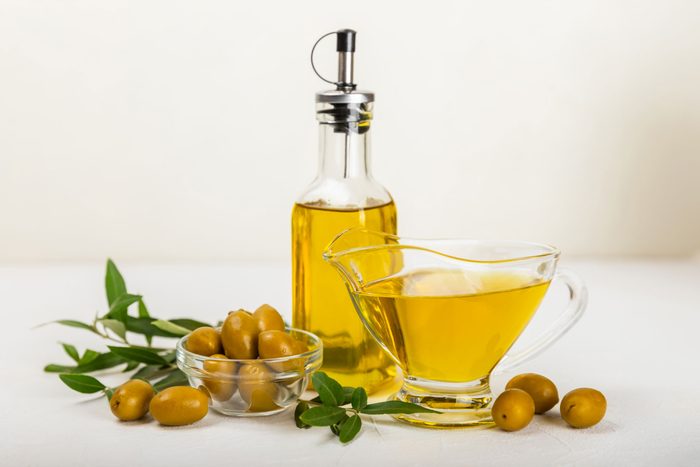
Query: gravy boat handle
{"points": [[578, 298]]}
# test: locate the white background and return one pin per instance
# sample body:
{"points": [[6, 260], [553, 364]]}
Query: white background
{"points": [[183, 130]]}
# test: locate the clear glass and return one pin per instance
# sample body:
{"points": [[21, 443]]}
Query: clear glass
{"points": [[343, 195], [448, 311], [252, 388]]}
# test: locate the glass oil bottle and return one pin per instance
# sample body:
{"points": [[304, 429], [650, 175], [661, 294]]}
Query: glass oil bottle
{"points": [[343, 195]]}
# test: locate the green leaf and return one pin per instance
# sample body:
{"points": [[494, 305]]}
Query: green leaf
{"points": [[359, 399], [130, 366], [75, 324], [88, 356], [176, 378], [190, 324], [389, 407], [350, 428], [72, 352], [302, 407], [170, 356], [109, 392], [144, 326], [138, 355], [347, 394], [117, 327], [335, 428], [100, 362], [143, 311], [329, 390], [172, 328], [54, 368], [82, 383], [322, 416], [147, 372], [114, 283], [118, 309]]}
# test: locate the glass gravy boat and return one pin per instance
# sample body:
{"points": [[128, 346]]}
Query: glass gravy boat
{"points": [[448, 311]]}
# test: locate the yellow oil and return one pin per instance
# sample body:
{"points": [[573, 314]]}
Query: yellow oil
{"points": [[321, 303], [450, 325]]}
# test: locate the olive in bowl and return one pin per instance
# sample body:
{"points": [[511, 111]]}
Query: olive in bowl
{"points": [[250, 387]]}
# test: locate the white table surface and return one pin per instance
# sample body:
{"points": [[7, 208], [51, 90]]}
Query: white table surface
{"points": [[639, 343]]}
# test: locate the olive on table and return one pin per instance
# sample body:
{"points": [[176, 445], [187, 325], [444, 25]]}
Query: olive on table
{"points": [[256, 388], [130, 400], [541, 389], [221, 384], [239, 335], [513, 410], [179, 405], [583, 407], [268, 318], [204, 341]]}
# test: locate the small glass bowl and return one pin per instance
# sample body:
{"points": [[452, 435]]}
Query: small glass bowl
{"points": [[252, 388]]}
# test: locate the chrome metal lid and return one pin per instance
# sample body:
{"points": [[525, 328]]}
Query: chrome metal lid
{"points": [[345, 91], [336, 96]]}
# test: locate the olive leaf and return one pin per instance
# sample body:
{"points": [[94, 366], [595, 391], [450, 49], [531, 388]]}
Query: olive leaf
{"points": [[114, 283], [147, 372], [55, 368], [322, 416], [100, 362], [116, 326], [359, 399], [144, 326], [130, 366], [74, 324], [347, 394], [390, 407], [72, 352], [88, 356], [170, 327], [335, 428], [302, 407], [138, 355], [329, 390], [118, 309], [82, 383], [143, 311], [350, 428], [175, 378], [188, 323]]}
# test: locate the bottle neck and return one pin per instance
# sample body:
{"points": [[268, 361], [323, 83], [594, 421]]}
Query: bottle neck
{"points": [[344, 151]]}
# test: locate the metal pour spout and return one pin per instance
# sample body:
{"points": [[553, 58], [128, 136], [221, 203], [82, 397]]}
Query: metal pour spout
{"points": [[345, 46]]}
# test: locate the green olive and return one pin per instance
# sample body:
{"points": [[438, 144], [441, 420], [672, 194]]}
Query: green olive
{"points": [[583, 407], [275, 344], [513, 410], [541, 389], [222, 388], [256, 388], [204, 341], [300, 346], [239, 335], [179, 405], [130, 400], [268, 319]]}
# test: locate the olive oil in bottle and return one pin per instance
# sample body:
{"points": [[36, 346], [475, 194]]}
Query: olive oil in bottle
{"points": [[342, 196]]}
